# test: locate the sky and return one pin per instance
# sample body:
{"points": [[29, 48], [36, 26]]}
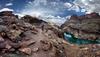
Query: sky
{"points": [[51, 10]]}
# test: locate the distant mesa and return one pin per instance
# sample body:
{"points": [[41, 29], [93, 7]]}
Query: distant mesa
{"points": [[87, 16], [6, 12], [93, 15]]}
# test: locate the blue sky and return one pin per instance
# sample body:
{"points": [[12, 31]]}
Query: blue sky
{"points": [[55, 9], [16, 4], [19, 5]]}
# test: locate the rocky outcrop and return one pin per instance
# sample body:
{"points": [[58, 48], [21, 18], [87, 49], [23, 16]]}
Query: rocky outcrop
{"points": [[85, 27], [28, 36], [6, 13], [32, 20]]}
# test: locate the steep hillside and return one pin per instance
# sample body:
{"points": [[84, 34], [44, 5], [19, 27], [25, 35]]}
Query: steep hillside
{"points": [[86, 27]]}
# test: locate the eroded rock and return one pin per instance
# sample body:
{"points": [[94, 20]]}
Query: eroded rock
{"points": [[27, 51]]}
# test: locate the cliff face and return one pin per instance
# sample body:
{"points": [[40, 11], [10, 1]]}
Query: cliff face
{"points": [[85, 27]]}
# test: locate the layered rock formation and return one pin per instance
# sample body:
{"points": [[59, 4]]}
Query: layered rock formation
{"points": [[85, 27]]}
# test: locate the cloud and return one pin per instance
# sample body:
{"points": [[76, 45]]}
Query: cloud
{"points": [[6, 9], [46, 7], [9, 4], [75, 8], [55, 20], [68, 5], [89, 5]]}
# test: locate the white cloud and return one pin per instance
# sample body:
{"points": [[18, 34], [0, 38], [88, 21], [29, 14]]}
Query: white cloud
{"points": [[75, 8], [89, 5], [55, 20], [9, 4], [68, 5], [45, 7], [52, 7], [83, 10], [6, 9]]}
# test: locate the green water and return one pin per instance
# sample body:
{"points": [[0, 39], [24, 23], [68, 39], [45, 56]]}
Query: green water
{"points": [[72, 39]]}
